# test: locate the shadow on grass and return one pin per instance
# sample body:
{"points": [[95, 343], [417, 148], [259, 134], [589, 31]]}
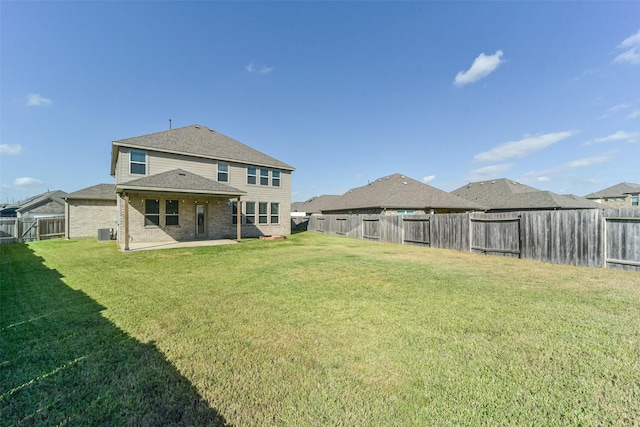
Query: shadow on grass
{"points": [[62, 362]]}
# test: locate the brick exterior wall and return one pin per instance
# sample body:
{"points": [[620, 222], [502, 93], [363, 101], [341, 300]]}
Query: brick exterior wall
{"points": [[618, 202], [218, 220], [85, 217]]}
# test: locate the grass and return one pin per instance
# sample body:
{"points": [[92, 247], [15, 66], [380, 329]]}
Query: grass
{"points": [[313, 330]]}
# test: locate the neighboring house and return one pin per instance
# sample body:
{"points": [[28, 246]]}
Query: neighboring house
{"points": [[91, 209], [8, 211], [398, 195], [501, 195], [623, 195], [296, 210], [315, 205], [195, 183], [43, 205]]}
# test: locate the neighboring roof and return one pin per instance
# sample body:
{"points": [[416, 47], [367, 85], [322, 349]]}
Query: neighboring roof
{"points": [[617, 190], [96, 192], [179, 181], [400, 192], [55, 196], [318, 204], [199, 141], [506, 194]]}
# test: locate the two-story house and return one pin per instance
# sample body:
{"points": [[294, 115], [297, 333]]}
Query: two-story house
{"points": [[623, 195], [195, 183]]}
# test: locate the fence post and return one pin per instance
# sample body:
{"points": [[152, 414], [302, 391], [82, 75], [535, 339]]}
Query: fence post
{"points": [[604, 238], [470, 233], [520, 236]]}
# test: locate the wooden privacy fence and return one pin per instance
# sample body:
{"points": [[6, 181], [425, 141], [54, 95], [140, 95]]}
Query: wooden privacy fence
{"points": [[608, 238], [14, 230]]}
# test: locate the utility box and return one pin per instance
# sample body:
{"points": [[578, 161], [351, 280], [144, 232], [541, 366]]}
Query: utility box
{"points": [[105, 234]]}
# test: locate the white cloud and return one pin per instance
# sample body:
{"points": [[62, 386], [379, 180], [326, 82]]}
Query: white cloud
{"points": [[632, 53], [489, 172], [482, 66], [521, 148], [10, 149], [630, 137], [35, 100], [573, 164], [26, 182], [634, 115], [251, 67], [631, 41], [429, 178]]}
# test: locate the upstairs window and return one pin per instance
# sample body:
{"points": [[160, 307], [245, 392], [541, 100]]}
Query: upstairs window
{"points": [[152, 212], [634, 200], [251, 175], [171, 212], [275, 178], [138, 162], [264, 176], [223, 172]]}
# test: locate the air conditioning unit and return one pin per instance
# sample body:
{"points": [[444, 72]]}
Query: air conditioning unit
{"points": [[104, 234]]}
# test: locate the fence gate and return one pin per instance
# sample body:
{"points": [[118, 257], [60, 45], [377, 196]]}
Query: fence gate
{"points": [[371, 228], [416, 230], [22, 230], [496, 235], [622, 242]]}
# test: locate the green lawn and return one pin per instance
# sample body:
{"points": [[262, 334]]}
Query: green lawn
{"points": [[312, 330]]}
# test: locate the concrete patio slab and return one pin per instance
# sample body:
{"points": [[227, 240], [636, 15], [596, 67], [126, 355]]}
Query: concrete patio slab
{"points": [[145, 246]]}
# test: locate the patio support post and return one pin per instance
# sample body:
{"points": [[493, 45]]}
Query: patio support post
{"points": [[126, 222], [239, 221]]}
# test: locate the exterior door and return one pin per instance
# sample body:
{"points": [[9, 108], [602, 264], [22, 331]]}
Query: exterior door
{"points": [[201, 221]]}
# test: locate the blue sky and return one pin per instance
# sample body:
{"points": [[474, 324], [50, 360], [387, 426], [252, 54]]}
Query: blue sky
{"points": [[545, 93]]}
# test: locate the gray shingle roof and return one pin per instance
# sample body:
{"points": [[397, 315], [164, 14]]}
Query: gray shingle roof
{"points": [[200, 141], [179, 181], [617, 190], [506, 194], [96, 192], [318, 204], [400, 192], [55, 196]]}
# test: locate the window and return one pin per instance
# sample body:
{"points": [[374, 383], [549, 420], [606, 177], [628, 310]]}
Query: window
{"points": [[263, 217], [634, 200], [151, 212], [138, 162], [171, 212], [405, 212], [223, 172], [251, 212], [275, 178], [234, 212], [275, 213], [251, 174], [264, 176]]}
